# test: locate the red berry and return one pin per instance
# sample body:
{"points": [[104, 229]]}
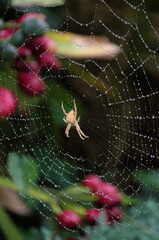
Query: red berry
{"points": [[24, 52], [5, 34], [29, 15], [48, 61], [42, 44], [114, 215], [109, 195], [92, 181], [22, 66], [91, 216], [8, 102], [31, 84], [69, 219]]}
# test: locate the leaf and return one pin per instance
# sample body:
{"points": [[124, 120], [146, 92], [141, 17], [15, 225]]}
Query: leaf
{"points": [[79, 46], [23, 169], [149, 180], [42, 3], [75, 207], [8, 228], [80, 193], [128, 201]]}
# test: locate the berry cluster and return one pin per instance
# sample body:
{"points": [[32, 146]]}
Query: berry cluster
{"points": [[109, 199], [24, 44]]}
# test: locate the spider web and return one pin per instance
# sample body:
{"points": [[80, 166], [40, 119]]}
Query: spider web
{"points": [[119, 109]]}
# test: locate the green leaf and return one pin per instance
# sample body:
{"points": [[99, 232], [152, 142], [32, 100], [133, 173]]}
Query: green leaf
{"points": [[148, 180], [128, 201], [75, 207], [8, 228], [79, 192], [141, 225], [80, 46], [23, 169], [43, 3]]}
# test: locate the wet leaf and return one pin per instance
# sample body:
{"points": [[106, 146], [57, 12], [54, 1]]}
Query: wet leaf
{"points": [[43, 3], [23, 169], [79, 46]]}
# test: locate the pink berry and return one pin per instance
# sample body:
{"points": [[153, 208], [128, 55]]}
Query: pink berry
{"points": [[69, 219], [92, 181], [48, 61], [108, 195], [31, 84], [5, 34], [23, 66], [114, 215], [24, 52], [91, 216], [42, 44], [29, 15], [8, 102]]}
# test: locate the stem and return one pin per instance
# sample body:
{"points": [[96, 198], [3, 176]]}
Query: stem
{"points": [[11, 25], [39, 194], [8, 228]]}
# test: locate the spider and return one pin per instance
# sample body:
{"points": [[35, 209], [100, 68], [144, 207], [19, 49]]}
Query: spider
{"points": [[71, 120]]}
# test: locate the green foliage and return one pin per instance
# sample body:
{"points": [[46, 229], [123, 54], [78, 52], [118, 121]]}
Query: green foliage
{"points": [[45, 3], [41, 234], [8, 227], [148, 179], [23, 169], [142, 224]]}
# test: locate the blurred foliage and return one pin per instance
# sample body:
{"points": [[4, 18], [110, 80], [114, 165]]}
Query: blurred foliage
{"points": [[44, 3], [143, 226], [44, 176]]}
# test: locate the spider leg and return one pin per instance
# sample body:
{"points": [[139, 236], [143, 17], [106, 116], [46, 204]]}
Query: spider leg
{"points": [[67, 130], [75, 108], [81, 134], [63, 108], [64, 120], [78, 119]]}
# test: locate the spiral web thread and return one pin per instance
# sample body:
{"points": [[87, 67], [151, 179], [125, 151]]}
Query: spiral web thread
{"points": [[121, 119]]}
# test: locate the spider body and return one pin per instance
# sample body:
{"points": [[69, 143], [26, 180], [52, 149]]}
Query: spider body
{"points": [[70, 119]]}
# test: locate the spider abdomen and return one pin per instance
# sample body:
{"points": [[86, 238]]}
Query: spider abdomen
{"points": [[71, 117]]}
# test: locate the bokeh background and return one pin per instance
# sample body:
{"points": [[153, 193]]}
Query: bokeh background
{"points": [[116, 97]]}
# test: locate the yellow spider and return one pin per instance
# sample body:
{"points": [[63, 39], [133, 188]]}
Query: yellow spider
{"points": [[71, 120]]}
